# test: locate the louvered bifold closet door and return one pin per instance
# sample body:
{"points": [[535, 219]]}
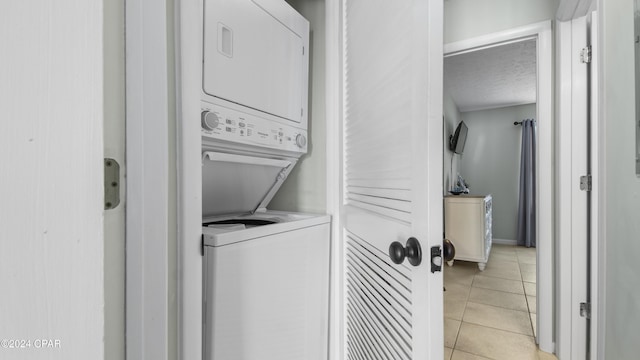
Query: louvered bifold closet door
{"points": [[378, 120]]}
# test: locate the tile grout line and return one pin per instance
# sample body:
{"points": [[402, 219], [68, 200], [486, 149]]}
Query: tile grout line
{"points": [[479, 325], [468, 297], [499, 307], [455, 344], [466, 301], [505, 292], [533, 330], [493, 328]]}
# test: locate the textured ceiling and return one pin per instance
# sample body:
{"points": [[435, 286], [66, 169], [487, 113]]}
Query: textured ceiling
{"points": [[495, 77]]}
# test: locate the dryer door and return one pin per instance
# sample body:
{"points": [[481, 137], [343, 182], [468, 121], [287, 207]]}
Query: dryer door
{"points": [[254, 55], [240, 184]]}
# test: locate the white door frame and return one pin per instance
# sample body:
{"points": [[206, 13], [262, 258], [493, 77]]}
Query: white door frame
{"points": [[596, 173], [147, 136], [333, 96], [567, 313], [189, 165], [564, 111], [573, 111], [597, 169], [541, 31], [114, 148]]}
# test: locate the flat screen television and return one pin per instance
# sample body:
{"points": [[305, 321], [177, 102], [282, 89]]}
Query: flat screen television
{"points": [[459, 138]]}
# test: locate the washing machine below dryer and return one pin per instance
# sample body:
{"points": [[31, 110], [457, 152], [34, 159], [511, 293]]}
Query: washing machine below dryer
{"points": [[266, 273]]}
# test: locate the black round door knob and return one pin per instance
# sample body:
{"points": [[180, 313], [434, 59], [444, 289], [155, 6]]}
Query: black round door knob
{"points": [[411, 251], [448, 250], [396, 252]]}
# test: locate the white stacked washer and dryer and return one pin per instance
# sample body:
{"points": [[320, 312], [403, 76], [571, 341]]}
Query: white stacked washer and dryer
{"points": [[266, 273]]}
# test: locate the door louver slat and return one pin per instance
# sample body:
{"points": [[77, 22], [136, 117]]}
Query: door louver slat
{"points": [[382, 343], [378, 304], [382, 280], [386, 334], [378, 108], [386, 300], [365, 343]]}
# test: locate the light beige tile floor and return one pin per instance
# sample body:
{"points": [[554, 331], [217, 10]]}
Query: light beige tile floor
{"points": [[491, 314]]}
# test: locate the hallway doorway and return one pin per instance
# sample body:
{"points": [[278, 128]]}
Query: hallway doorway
{"points": [[473, 100]]}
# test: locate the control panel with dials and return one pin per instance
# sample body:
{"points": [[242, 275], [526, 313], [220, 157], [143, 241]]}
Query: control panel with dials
{"points": [[221, 123]]}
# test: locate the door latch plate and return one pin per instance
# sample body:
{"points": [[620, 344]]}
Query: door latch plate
{"points": [[585, 183], [585, 310], [436, 258], [111, 184]]}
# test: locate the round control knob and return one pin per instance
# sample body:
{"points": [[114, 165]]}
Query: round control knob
{"points": [[301, 141], [210, 120]]}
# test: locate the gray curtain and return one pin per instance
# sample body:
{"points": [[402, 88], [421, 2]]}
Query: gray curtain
{"points": [[527, 203]]}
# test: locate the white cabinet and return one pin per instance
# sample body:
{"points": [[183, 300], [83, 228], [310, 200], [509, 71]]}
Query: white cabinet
{"points": [[467, 224]]}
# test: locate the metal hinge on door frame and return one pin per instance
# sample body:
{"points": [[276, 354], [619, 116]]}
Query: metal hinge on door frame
{"points": [[585, 55], [585, 183], [585, 310]]}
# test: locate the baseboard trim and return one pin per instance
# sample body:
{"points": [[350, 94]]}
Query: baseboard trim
{"points": [[505, 242]]}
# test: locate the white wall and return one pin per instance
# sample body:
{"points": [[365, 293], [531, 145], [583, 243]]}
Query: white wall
{"points": [[51, 151], [620, 187], [464, 19], [305, 188], [491, 161], [450, 160]]}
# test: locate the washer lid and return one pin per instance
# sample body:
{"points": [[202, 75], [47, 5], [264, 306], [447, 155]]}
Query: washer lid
{"points": [[240, 184]]}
